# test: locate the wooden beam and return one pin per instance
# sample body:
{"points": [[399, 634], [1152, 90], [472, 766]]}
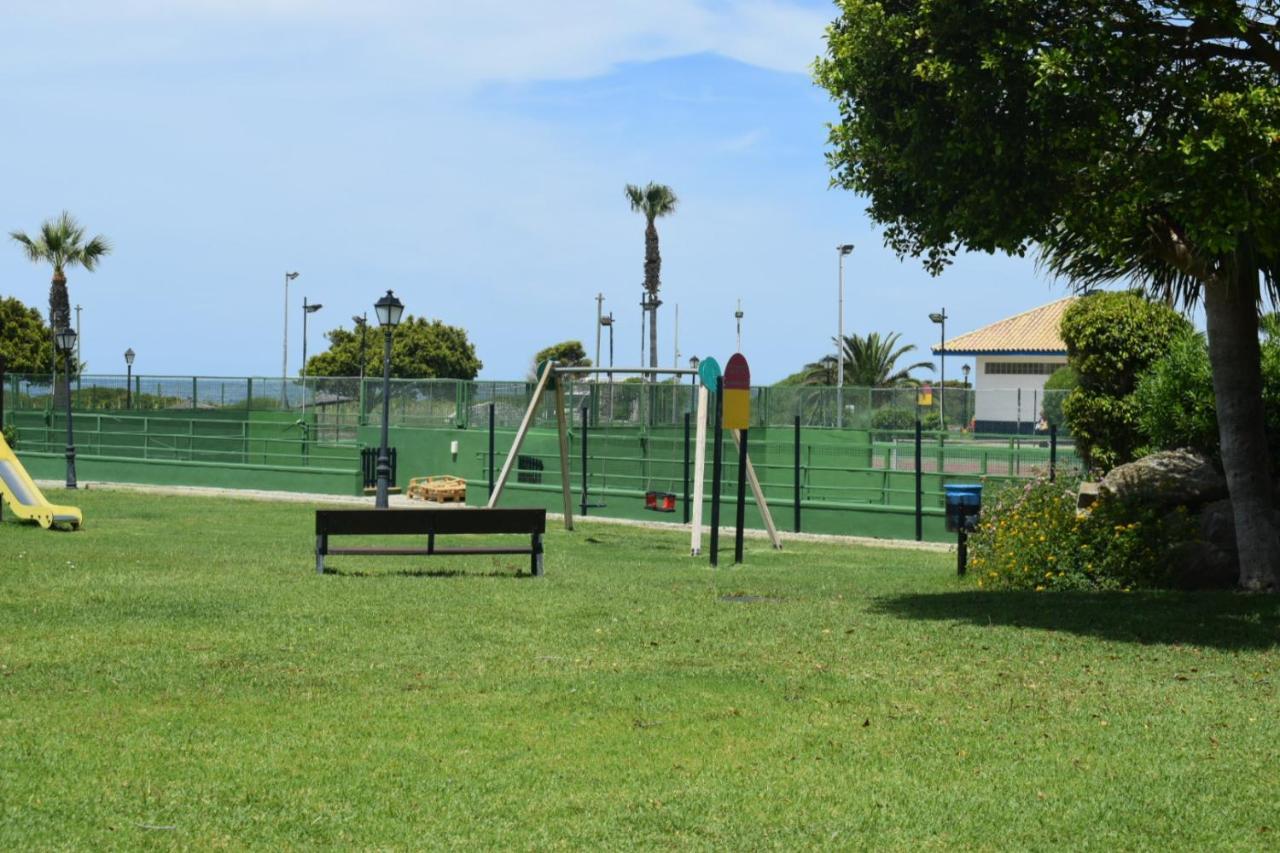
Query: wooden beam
{"points": [[563, 428], [520, 436], [761, 503], [699, 473]]}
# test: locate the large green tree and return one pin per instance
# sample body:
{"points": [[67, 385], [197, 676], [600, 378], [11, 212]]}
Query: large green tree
{"points": [[420, 349], [869, 362], [653, 201], [24, 338], [1121, 139], [565, 354]]}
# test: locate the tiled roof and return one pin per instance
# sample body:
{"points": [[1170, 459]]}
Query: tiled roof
{"points": [[1031, 332]]}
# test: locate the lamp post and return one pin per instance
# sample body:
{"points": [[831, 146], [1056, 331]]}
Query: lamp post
{"points": [[607, 320], [128, 382], [599, 323], [841, 251], [306, 309], [694, 361], [362, 323], [941, 320], [284, 365], [66, 340], [965, 370], [389, 309], [737, 316]]}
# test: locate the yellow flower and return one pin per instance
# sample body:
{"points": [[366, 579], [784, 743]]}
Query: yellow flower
{"points": [[1039, 589]]}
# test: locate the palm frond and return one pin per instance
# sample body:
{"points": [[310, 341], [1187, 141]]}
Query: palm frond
{"points": [[34, 250]]}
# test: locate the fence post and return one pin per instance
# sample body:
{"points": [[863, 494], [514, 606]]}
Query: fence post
{"points": [[687, 508], [586, 414], [491, 436], [796, 524], [194, 396], [919, 488], [1053, 452]]}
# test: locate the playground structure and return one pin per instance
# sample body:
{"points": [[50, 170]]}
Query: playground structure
{"points": [[20, 492], [551, 378]]}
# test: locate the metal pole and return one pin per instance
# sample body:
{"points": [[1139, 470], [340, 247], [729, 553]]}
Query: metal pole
{"points": [[716, 470], [71, 444], [611, 365], [919, 488], [942, 388], [384, 460], [840, 346], [128, 387], [586, 411], [284, 364], [491, 441], [77, 341], [797, 473], [1053, 452], [599, 318], [304, 364], [742, 498]]}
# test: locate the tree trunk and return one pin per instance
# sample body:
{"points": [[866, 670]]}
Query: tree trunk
{"points": [[59, 317], [652, 282], [1232, 318]]}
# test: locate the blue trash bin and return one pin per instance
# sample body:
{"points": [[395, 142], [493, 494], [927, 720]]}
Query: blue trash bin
{"points": [[963, 506]]}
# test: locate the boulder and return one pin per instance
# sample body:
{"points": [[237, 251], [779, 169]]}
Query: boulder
{"points": [[1203, 565], [1166, 479]]}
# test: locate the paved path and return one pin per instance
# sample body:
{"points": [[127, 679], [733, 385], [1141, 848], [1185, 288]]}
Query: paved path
{"points": [[403, 501]]}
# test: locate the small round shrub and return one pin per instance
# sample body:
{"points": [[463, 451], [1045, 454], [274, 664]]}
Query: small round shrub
{"points": [[893, 419], [1056, 388], [11, 436], [1175, 399], [1031, 538]]}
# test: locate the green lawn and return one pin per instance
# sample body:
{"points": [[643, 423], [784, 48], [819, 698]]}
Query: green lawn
{"points": [[176, 675]]}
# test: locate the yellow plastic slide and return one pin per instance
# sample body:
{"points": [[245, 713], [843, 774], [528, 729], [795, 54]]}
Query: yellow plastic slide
{"points": [[22, 496]]}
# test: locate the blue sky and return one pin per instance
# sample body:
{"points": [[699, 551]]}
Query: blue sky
{"points": [[470, 156]]}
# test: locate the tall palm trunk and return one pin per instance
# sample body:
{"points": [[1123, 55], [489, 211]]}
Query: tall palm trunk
{"points": [[1232, 320], [59, 316], [652, 281]]}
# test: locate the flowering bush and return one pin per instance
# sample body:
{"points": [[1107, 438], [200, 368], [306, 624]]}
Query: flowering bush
{"points": [[1030, 537]]}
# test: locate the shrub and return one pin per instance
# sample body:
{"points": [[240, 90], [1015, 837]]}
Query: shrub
{"points": [[1111, 338], [1031, 538], [1056, 387], [1175, 399], [893, 419], [10, 433]]}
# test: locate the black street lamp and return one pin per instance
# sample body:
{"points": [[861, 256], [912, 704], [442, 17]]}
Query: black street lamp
{"points": [[128, 382], [306, 310], [66, 341], [965, 370], [389, 310]]}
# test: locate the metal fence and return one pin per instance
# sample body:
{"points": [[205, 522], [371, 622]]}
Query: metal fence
{"points": [[336, 406]]}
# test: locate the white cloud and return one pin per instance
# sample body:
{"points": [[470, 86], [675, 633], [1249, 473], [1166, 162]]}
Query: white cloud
{"points": [[454, 44]]}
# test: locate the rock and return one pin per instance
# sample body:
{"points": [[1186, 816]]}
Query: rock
{"points": [[1218, 525], [1166, 479], [1086, 497], [1202, 565]]}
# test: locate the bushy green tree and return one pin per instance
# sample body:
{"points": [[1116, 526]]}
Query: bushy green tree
{"points": [[1121, 139], [24, 338], [565, 354], [1111, 338], [1056, 388], [653, 201], [420, 349]]}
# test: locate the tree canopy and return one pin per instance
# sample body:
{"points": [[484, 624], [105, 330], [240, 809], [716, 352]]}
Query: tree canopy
{"points": [[420, 349], [565, 354], [61, 243], [1117, 138], [869, 362], [25, 340]]}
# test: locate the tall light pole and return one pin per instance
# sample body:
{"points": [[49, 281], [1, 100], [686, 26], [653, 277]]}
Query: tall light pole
{"points": [[941, 320], [306, 309], [965, 370], [388, 309], [599, 323], [362, 323], [841, 251], [284, 365], [607, 320], [78, 336], [128, 382], [66, 340]]}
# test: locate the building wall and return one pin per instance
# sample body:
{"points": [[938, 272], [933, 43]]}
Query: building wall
{"points": [[998, 398]]}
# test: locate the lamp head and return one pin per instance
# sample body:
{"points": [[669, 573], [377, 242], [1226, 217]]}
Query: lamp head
{"points": [[128, 356], [312, 308], [938, 318], [607, 319], [694, 361], [291, 275], [845, 249], [66, 339], [389, 310]]}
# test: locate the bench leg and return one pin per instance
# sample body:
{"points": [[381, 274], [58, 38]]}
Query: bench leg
{"points": [[536, 558], [322, 547]]}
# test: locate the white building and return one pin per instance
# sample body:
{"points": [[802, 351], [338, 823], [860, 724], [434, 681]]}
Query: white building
{"points": [[1013, 359]]}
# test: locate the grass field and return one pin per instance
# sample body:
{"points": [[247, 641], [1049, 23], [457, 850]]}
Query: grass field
{"points": [[176, 675]]}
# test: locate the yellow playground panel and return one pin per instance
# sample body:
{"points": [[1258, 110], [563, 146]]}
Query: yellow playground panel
{"points": [[21, 494]]}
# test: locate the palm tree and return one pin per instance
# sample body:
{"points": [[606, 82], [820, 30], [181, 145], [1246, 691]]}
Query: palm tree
{"points": [[653, 200], [870, 362], [61, 244]]}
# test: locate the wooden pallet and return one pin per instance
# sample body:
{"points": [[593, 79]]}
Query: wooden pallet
{"points": [[440, 489]]}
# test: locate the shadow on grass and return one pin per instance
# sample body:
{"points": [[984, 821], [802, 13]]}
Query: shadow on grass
{"points": [[428, 573], [1220, 620]]}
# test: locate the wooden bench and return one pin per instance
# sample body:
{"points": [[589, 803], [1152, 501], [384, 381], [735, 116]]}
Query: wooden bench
{"points": [[430, 523]]}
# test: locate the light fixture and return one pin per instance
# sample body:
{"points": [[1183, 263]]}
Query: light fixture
{"points": [[129, 356], [389, 310]]}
